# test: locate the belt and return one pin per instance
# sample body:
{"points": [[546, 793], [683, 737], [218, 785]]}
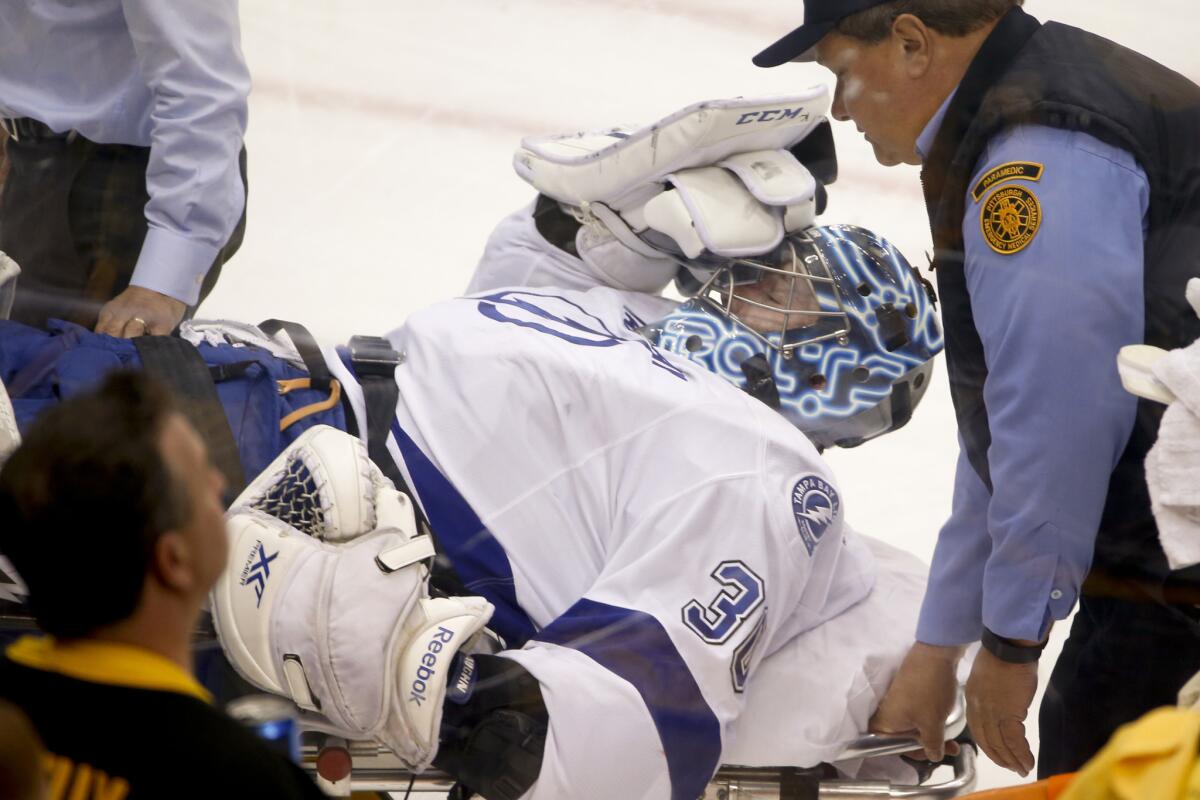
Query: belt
{"points": [[28, 128], [1139, 590]]}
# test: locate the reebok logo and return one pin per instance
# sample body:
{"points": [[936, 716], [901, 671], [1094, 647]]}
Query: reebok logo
{"points": [[429, 661]]}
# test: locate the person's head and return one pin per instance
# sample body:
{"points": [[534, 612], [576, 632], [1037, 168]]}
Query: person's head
{"points": [[110, 503], [895, 61], [834, 329]]}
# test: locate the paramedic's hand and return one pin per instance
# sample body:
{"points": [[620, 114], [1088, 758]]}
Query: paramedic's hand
{"points": [[998, 698], [921, 697], [137, 311]]}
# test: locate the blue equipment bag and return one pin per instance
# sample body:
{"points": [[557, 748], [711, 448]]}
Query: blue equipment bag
{"points": [[267, 401]]}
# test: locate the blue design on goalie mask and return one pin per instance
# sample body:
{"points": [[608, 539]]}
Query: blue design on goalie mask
{"points": [[851, 333]]}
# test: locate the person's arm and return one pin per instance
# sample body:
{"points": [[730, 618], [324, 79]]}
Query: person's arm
{"points": [[190, 55], [1052, 317]]}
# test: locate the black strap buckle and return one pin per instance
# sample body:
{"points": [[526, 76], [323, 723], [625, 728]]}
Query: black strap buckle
{"points": [[373, 356]]}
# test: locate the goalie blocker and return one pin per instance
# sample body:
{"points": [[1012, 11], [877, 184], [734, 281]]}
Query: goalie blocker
{"points": [[325, 556]]}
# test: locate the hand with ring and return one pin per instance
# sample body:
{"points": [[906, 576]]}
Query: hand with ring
{"points": [[138, 311]]}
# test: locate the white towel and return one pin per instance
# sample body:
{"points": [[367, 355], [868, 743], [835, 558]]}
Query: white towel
{"points": [[1173, 464], [224, 331]]}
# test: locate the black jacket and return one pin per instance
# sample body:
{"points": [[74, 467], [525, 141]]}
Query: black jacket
{"points": [[1063, 77]]}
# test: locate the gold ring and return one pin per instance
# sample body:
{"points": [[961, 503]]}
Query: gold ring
{"points": [[139, 319]]}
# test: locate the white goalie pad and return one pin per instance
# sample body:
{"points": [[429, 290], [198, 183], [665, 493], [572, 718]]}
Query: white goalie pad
{"points": [[716, 177], [8, 283], [710, 210], [12, 588], [325, 599], [347, 631], [615, 166], [10, 435]]}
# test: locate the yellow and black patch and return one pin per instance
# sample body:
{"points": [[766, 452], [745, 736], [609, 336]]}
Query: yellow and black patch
{"points": [[1010, 219], [1012, 171]]}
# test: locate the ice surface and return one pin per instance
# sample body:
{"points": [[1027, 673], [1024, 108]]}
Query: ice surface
{"points": [[381, 133]]}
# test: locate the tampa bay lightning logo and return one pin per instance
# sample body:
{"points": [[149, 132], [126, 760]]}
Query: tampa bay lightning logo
{"points": [[563, 319], [816, 505]]}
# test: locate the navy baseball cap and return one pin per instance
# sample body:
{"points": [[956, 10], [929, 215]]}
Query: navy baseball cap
{"points": [[820, 17]]}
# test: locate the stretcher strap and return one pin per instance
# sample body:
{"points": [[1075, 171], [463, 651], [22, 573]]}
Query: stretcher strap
{"points": [[335, 396], [306, 346], [177, 363]]}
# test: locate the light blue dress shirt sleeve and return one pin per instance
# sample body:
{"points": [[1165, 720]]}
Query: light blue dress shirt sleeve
{"points": [[163, 74], [1052, 318], [190, 57]]}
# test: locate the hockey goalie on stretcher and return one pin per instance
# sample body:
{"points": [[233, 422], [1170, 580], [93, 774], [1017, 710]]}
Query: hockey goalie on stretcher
{"points": [[651, 573]]}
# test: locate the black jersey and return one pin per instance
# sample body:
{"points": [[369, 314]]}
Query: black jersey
{"points": [[124, 723]]}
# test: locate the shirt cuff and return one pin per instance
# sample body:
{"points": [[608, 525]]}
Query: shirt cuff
{"points": [[1023, 595], [173, 265]]}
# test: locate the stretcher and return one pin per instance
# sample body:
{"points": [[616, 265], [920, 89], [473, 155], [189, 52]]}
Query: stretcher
{"points": [[772, 759], [342, 767]]}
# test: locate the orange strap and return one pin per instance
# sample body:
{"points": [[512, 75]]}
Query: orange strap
{"points": [[1047, 789], [335, 396]]}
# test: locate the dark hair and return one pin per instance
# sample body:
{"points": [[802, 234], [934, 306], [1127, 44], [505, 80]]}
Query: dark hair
{"points": [[947, 17], [83, 501]]}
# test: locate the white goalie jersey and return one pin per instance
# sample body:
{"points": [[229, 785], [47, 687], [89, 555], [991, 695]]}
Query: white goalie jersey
{"points": [[646, 532]]}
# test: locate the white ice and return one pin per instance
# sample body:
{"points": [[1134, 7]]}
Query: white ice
{"points": [[380, 139]]}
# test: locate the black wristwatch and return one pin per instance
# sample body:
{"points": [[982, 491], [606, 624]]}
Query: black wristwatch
{"points": [[1009, 651]]}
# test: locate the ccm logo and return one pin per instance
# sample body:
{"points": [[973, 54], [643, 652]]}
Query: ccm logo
{"points": [[774, 115]]}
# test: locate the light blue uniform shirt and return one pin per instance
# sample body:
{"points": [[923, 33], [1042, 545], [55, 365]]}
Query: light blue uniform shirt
{"points": [[1051, 318], [167, 74]]}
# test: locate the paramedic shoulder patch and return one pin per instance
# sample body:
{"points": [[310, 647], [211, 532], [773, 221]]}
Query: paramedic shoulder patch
{"points": [[1010, 219], [815, 504], [1012, 171]]}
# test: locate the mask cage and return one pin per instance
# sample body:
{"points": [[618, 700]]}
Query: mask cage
{"points": [[831, 320]]}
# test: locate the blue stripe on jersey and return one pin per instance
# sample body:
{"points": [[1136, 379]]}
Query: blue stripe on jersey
{"points": [[635, 646], [476, 555]]}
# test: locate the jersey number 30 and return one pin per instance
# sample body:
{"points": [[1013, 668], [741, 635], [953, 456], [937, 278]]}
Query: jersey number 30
{"points": [[741, 596]]}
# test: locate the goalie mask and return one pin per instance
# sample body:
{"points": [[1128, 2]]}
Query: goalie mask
{"points": [[834, 329]]}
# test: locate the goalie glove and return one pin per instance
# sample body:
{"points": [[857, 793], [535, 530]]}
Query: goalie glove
{"points": [[333, 615], [325, 485], [716, 178]]}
